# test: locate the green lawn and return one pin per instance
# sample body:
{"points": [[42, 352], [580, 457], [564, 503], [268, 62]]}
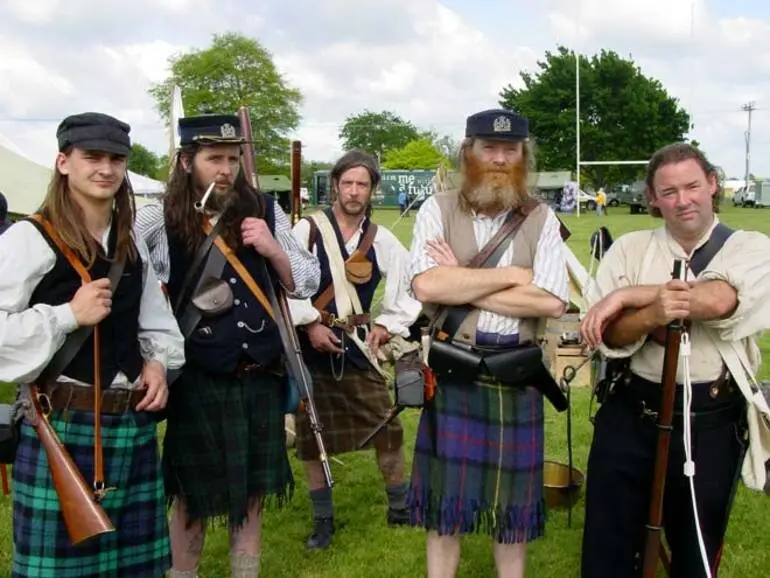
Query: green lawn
{"points": [[365, 546]]}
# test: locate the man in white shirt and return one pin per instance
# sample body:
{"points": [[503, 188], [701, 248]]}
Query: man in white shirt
{"points": [[43, 305], [341, 341], [723, 301]]}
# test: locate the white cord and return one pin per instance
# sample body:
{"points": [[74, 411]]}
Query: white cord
{"points": [[689, 464]]}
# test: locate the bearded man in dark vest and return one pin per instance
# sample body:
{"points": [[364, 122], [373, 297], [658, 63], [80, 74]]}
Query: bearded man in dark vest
{"points": [[225, 453], [343, 344], [478, 463]]}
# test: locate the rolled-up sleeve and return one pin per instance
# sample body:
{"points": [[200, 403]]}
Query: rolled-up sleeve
{"points": [[744, 263], [305, 269]]}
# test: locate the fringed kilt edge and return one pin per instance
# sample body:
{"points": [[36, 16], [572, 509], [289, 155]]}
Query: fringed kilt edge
{"points": [[449, 516]]}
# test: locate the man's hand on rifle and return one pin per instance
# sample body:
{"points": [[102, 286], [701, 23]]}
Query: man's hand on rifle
{"points": [[672, 302], [154, 379], [322, 338], [255, 233], [377, 337], [92, 302]]}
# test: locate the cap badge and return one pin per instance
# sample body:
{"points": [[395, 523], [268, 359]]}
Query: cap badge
{"points": [[502, 124], [227, 130]]}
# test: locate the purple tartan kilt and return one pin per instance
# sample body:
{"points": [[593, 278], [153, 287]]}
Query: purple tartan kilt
{"points": [[139, 546], [478, 462]]}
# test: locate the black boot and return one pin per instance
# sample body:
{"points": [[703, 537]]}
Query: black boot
{"points": [[398, 517], [321, 538]]}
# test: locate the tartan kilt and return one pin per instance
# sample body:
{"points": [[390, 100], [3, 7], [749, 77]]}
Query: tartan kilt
{"points": [[478, 462], [139, 546], [349, 410], [225, 445]]}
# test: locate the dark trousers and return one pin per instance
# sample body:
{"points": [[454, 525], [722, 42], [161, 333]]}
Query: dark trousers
{"points": [[619, 481]]}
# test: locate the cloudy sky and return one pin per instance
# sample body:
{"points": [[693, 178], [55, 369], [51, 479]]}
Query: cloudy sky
{"points": [[433, 62]]}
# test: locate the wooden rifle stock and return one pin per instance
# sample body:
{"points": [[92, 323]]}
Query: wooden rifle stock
{"points": [[283, 318], [674, 330], [83, 517], [296, 181]]}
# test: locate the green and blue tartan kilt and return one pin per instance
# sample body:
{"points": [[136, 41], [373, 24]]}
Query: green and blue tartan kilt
{"points": [[225, 445], [139, 546], [478, 462]]}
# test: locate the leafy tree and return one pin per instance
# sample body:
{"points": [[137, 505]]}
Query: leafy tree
{"points": [[624, 115], [236, 71], [416, 155], [142, 161], [377, 132], [449, 147]]}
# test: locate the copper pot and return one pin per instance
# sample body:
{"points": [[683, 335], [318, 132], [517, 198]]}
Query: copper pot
{"points": [[559, 492]]}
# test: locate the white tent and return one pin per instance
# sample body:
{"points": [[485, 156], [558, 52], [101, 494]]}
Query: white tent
{"points": [[25, 182]]}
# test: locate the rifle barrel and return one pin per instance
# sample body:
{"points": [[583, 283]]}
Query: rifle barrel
{"points": [[665, 418]]}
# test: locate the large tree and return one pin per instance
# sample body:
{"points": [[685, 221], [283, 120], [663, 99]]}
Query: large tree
{"points": [[377, 132], [624, 115], [143, 161], [419, 154], [236, 71]]}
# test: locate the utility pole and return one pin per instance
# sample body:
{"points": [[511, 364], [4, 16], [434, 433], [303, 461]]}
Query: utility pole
{"points": [[749, 107]]}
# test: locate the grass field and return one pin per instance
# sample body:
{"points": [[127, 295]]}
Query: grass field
{"points": [[365, 546]]}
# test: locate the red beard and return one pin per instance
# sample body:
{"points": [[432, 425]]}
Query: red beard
{"points": [[489, 187]]}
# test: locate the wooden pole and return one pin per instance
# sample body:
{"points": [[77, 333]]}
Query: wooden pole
{"points": [[296, 181]]}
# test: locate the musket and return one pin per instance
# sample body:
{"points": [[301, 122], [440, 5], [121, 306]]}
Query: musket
{"points": [[83, 517], [296, 181], [297, 367], [653, 547]]}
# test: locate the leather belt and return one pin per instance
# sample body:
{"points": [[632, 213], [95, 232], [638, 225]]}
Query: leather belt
{"points": [[63, 396], [348, 323]]}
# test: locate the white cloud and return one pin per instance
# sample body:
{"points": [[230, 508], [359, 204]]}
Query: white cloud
{"points": [[417, 58]]}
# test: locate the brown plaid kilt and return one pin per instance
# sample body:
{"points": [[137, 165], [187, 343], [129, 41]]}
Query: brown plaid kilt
{"points": [[348, 411]]}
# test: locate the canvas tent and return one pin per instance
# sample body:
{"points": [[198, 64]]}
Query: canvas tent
{"points": [[24, 182]]}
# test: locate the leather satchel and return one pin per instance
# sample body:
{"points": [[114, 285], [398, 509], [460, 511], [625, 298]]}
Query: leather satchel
{"points": [[213, 297]]}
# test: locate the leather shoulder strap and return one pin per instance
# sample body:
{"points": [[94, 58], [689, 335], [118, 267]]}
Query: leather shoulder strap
{"points": [[200, 255], [312, 234], [496, 247], [703, 255], [241, 270], [77, 338], [368, 240]]}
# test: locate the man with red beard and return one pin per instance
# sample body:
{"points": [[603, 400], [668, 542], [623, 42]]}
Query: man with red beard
{"points": [[478, 463]]}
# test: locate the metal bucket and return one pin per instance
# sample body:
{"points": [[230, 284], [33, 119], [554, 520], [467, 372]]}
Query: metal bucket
{"points": [[559, 493]]}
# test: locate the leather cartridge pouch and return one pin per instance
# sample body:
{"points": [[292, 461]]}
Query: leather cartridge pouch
{"points": [[517, 366], [213, 297], [410, 381], [358, 269], [454, 361]]}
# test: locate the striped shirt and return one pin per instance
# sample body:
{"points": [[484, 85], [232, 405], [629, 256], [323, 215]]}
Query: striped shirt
{"points": [[305, 270], [549, 266]]}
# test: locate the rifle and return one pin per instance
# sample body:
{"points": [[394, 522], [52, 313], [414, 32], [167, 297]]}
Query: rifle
{"points": [[653, 547], [297, 367], [83, 517], [296, 181]]}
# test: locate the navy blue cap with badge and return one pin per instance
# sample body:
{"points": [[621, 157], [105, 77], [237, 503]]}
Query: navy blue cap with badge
{"points": [[210, 129], [497, 124], [94, 131]]}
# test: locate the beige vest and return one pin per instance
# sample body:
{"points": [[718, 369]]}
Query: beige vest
{"points": [[458, 232]]}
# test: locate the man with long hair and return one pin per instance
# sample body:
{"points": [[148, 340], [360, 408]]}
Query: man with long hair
{"points": [[90, 206], [478, 463], [724, 302], [225, 451], [341, 341]]}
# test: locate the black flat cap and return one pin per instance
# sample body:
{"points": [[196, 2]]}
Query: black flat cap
{"points": [[94, 131], [210, 129], [497, 124]]}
